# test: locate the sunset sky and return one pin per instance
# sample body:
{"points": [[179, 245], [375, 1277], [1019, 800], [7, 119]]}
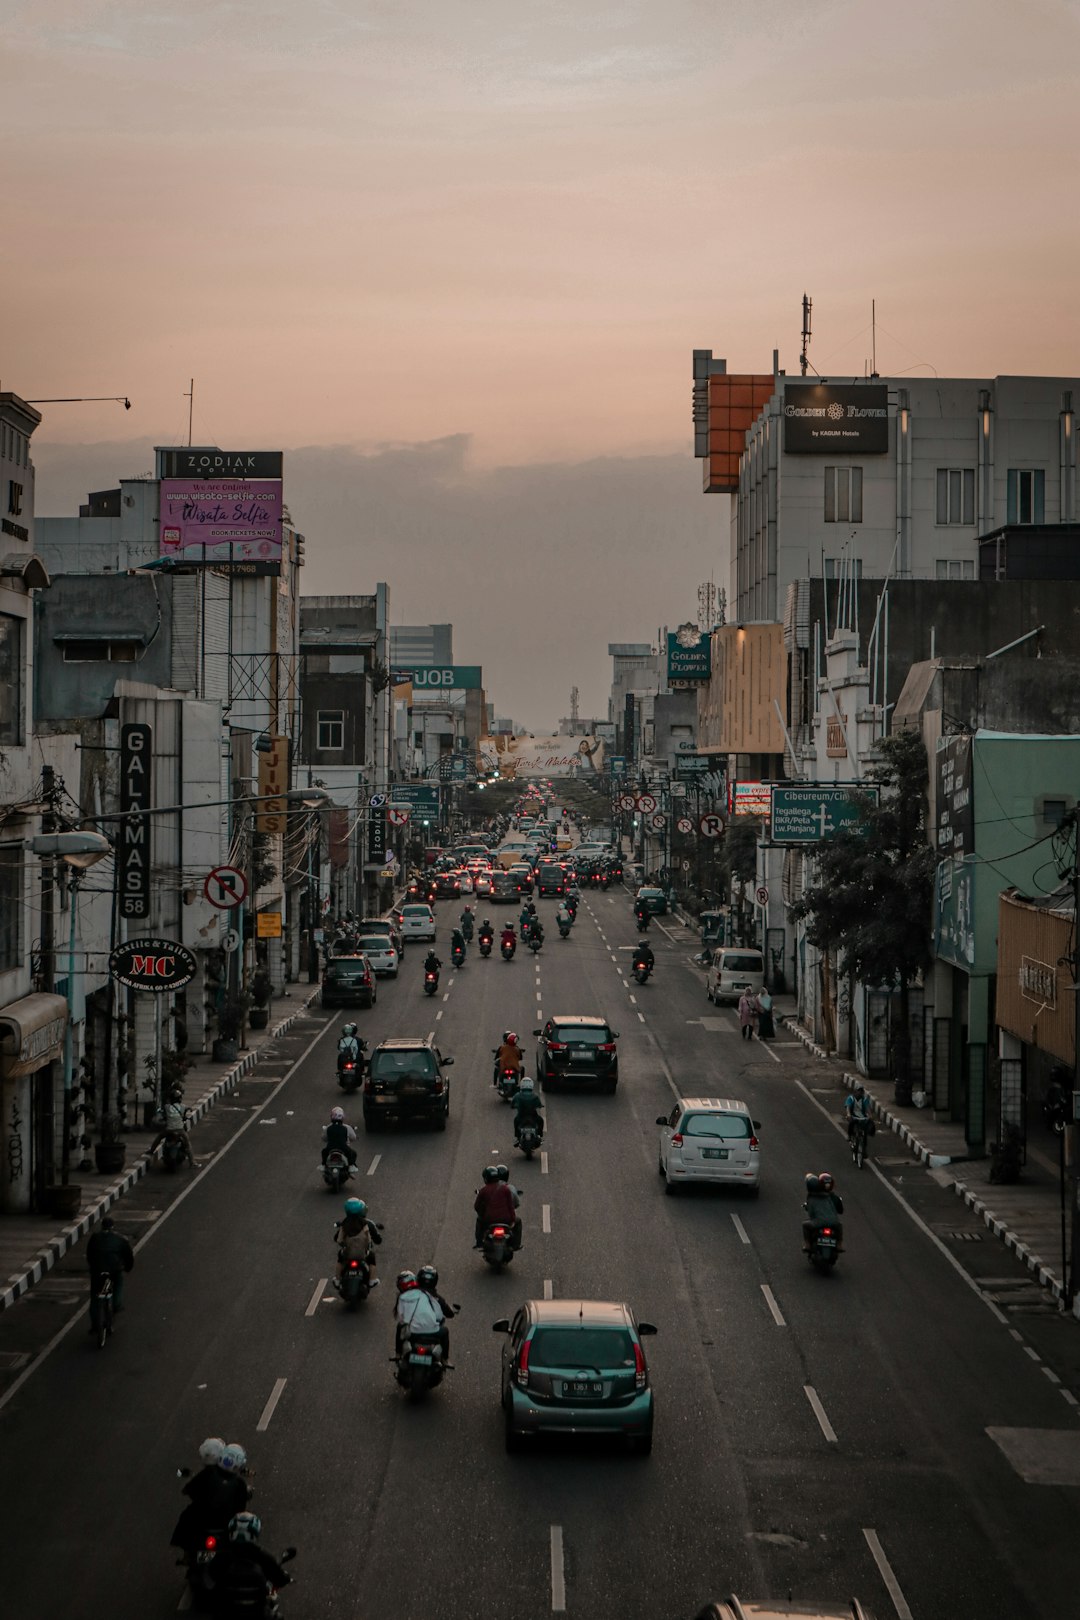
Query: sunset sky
{"points": [[457, 253]]}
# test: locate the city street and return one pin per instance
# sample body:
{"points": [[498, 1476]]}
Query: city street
{"points": [[825, 1436]]}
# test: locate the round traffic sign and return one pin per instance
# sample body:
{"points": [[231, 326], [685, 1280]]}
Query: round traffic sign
{"points": [[761, 895], [658, 821], [225, 887], [397, 817], [711, 825], [626, 801], [230, 941], [686, 866], [685, 824], [646, 802]]}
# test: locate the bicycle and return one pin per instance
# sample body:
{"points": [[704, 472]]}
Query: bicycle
{"points": [[104, 1300], [860, 1138]]}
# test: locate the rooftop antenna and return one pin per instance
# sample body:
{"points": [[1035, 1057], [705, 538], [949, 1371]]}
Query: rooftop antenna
{"points": [[807, 306], [873, 337], [574, 705], [191, 409]]}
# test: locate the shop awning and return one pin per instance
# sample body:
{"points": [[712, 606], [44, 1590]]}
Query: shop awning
{"points": [[31, 1033]]}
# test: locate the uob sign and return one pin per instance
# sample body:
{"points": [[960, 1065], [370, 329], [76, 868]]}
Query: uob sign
{"points": [[136, 757]]}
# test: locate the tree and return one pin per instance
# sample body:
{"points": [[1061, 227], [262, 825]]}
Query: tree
{"points": [[871, 898]]}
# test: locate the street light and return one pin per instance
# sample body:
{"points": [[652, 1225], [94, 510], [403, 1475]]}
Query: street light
{"points": [[79, 851]]}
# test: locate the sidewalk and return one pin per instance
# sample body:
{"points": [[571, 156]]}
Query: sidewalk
{"points": [[1025, 1216], [30, 1245]]}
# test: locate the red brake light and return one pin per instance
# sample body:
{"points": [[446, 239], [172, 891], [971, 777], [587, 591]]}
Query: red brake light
{"points": [[607, 1046], [677, 1139], [354, 1265], [437, 1088], [639, 1367], [210, 1543], [498, 1231], [826, 1231], [754, 1143], [523, 1363], [556, 1046]]}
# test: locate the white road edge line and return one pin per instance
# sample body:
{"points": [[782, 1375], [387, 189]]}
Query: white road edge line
{"points": [[558, 1573], [543, 1163], [313, 1302], [768, 1047], [904, 1205], [166, 1213], [885, 1571], [741, 1229], [374, 1165], [547, 1288], [819, 1412], [185, 1601], [777, 1314], [546, 1218], [268, 1410]]}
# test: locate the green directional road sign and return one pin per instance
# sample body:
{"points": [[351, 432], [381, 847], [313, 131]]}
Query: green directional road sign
{"points": [[421, 797], [805, 812]]}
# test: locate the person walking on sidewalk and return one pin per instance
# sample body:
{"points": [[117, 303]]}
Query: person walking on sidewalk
{"points": [[746, 1016], [766, 1028]]}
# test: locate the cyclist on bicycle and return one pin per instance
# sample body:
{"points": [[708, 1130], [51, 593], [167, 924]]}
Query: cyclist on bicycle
{"points": [[857, 1106], [108, 1255]]}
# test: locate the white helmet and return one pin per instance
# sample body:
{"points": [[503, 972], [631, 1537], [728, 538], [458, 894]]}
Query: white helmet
{"points": [[233, 1458], [210, 1451], [526, 1084], [337, 1114]]}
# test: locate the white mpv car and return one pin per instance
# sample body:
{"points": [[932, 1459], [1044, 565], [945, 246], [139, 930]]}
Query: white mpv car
{"points": [[417, 921], [709, 1139]]}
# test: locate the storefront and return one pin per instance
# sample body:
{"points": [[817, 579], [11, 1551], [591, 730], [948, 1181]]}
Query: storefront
{"points": [[1036, 1003], [31, 1039]]}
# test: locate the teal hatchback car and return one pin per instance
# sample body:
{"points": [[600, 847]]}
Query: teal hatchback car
{"points": [[576, 1366]]}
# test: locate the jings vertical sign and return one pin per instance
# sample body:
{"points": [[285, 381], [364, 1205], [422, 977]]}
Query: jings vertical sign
{"points": [[136, 759], [273, 786]]}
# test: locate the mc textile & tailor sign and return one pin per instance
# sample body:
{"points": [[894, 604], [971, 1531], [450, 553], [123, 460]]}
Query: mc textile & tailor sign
{"points": [[222, 521], [152, 964]]}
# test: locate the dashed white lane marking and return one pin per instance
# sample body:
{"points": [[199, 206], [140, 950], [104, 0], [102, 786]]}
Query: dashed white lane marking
{"points": [[558, 1573], [546, 1218], [633, 998], [446, 996], [538, 996], [313, 1302], [438, 1015], [777, 1314], [431, 1035], [819, 1412], [374, 1165], [1067, 1395], [543, 1164], [1052, 1375], [268, 1409], [885, 1571], [1014, 1333], [547, 1288], [185, 1601], [741, 1229], [641, 1015]]}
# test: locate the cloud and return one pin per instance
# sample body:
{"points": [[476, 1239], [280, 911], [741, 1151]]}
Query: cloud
{"points": [[537, 567]]}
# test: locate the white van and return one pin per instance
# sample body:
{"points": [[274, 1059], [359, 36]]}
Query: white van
{"points": [[734, 968]]}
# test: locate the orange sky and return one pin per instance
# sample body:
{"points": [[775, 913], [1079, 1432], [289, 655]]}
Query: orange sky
{"points": [[357, 221]]}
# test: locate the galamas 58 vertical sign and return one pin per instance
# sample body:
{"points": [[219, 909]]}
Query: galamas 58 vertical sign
{"points": [[133, 853]]}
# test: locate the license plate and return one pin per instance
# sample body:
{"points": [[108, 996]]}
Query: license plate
{"points": [[714, 1153], [826, 1243], [582, 1386], [420, 1361]]}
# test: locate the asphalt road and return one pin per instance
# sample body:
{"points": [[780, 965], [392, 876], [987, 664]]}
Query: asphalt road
{"points": [[820, 1435]]}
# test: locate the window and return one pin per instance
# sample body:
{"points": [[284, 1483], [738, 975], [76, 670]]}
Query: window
{"points": [[331, 729], [15, 495], [101, 652], [843, 494], [843, 567], [956, 495], [11, 680], [954, 568], [11, 905], [1025, 488], [1054, 811]]}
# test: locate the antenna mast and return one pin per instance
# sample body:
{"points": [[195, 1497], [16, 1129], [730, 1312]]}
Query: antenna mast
{"points": [[807, 306], [873, 337], [574, 705], [191, 409]]}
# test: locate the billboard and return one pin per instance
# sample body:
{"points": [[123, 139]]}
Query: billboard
{"points": [[439, 678], [543, 756], [955, 807], [750, 799], [822, 418], [228, 522], [207, 461], [133, 842], [688, 655]]}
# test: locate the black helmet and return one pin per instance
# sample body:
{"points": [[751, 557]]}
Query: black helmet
{"points": [[825, 1181], [428, 1277], [490, 1173], [502, 1173]]}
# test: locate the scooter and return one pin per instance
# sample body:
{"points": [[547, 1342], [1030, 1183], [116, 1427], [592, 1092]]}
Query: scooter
{"points": [[467, 927], [485, 944], [536, 938], [350, 1070], [641, 971], [354, 1284], [564, 929], [431, 981], [571, 906], [250, 1606], [528, 1140], [457, 956], [824, 1247], [174, 1150], [507, 1082], [420, 1364], [642, 921], [498, 1245], [337, 1169], [508, 947]]}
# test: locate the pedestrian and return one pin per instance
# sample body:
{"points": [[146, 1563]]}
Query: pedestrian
{"points": [[746, 1016], [766, 1027]]}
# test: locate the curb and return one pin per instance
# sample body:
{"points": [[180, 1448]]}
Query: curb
{"points": [[937, 1161], [68, 1236]]}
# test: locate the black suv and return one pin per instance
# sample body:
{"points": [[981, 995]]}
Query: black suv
{"points": [[577, 1048], [348, 981], [406, 1080], [550, 878]]}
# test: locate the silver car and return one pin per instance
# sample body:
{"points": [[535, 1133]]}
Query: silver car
{"points": [[381, 953]]}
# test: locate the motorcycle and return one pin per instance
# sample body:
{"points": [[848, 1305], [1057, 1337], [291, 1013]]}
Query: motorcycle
{"points": [[431, 981], [571, 906], [641, 972], [246, 1604], [457, 955], [507, 1081], [508, 947], [485, 944], [824, 1247], [174, 1150], [564, 929], [467, 927], [498, 1245], [536, 938], [350, 1070], [642, 921], [337, 1169], [528, 1140], [354, 1284], [420, 1364]]}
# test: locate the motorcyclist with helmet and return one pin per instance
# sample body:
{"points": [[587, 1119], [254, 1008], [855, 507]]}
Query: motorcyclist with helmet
{"points": [[508, 1056], [457, 946], [427, 1280], [415, 1310], [356, 1236], [525, 918], [487, 931], [641, 913], [508, 938], [215, 1494], [466, 921], [528, 1110], [643, 955], [242, 1574], [823, 1207], [502, 1172], [494, 1205], [338, 1137], [349, 1047]]}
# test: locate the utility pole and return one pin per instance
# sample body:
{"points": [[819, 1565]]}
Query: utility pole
{"points": [[1073, 1124], [48, 961]]}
